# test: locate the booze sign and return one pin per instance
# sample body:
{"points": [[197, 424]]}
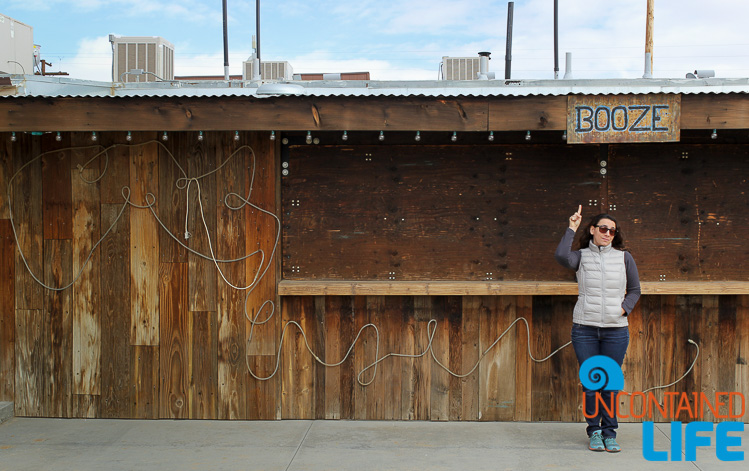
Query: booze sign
{"points": [[623, 118]]}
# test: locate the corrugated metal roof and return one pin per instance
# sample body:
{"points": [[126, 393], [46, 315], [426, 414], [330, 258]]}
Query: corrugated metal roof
{"points": [[55, 87]]}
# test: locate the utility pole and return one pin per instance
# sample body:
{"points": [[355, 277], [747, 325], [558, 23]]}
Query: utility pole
{"points": [[649, 31]]}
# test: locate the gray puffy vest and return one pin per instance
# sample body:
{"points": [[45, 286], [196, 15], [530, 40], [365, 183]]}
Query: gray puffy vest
{"points": [[602, 284]]}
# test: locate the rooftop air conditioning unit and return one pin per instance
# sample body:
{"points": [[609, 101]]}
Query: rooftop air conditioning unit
{"points": [[16, 47], [152, 54], [460, 68], [274, 71]]}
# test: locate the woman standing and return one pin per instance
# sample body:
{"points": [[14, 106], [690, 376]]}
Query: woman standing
{"points": [[608, 289]]}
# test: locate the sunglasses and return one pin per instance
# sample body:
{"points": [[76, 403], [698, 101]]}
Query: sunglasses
{"points": [[605, 229]]}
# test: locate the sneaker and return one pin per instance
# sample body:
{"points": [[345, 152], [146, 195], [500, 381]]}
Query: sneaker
{"points": [[611, 445], [596, 441]]}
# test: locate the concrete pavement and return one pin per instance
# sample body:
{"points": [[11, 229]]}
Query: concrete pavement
{"points": [[295, 445]]}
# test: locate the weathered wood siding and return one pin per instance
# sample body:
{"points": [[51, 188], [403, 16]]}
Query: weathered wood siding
{"points": [[148, 329], [151, 330]]}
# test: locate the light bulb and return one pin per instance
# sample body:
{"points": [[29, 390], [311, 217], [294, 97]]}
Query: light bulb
{"points": [[528, 136], [236, 135], [164, 137], [200, 136], [417, 137], [491, 136], [454, 137], [345, 136], [129, 136], [58, 137], [382, 136], [93, 136], [308, 139], [564, 136], [13, 137], [714, 135], [273, 135]]}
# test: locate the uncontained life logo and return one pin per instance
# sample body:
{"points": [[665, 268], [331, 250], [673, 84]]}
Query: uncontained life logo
{"points": [[603, 375]]}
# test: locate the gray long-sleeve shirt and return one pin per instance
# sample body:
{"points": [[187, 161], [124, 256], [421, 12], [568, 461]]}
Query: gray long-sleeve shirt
{"points": [[571, 259]]}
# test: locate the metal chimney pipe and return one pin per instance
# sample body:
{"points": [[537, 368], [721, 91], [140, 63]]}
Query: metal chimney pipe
{"points": [[226, 45], [648, 66], [257, 28], [508, 53], [484, 65], [568, 66], [556, 39]]}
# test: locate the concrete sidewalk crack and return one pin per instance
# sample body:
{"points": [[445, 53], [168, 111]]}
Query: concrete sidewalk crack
{"points": [[300, 444], [669, 442]]}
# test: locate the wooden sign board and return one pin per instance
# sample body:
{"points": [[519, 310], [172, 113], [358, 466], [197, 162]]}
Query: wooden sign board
{"points": [[623, 118]]}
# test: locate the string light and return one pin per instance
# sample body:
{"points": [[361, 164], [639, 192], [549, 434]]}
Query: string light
{"points": [[129, 136], [200, 136], [345, 136], [528, 136], [382, 136], [417, 137], [454, 137], [714, 135], [308, 139], [94, 137], [236, 135], [13, 137], [58, 137], [164, 137], [273, 135]]}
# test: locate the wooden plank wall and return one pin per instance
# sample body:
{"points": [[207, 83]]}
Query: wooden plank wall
{"points": [[507, 385], [148, 329], [496, 212]]}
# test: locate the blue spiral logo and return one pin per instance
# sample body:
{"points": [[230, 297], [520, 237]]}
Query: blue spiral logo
{"points": [[601, 373]]}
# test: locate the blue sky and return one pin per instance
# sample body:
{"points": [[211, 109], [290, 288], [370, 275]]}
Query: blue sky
{"points": [[398, 40]]}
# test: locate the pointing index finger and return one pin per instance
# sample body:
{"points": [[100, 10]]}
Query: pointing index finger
{"points": [[580, 209]]}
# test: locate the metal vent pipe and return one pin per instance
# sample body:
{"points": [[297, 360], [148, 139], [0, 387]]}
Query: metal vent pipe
{"points": [[508, 53]]}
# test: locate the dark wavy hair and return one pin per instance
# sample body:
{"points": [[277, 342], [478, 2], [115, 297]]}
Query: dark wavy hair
{"points": [[617, 243]]}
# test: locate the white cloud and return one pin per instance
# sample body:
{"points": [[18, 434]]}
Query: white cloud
{"points": [[93, 61]]}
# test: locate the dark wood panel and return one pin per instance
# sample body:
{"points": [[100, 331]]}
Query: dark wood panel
{"points": [[7, 312], [33, 363], [711, 111], [144, 382], [524, 365], [201, 161], [173, 200], [243, 113], [58, 267], [543, 187], [57, 202], [174, 341], [722, 211], [114, 165], [26, 193], [203, 392], [525, 113], [260, 233], [86, 406], [686, 224], [236, 396], [6, 171], [116, 372], [699, 111]]}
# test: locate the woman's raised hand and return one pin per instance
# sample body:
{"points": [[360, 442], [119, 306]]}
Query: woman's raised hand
{"points": [[576, 218]]}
